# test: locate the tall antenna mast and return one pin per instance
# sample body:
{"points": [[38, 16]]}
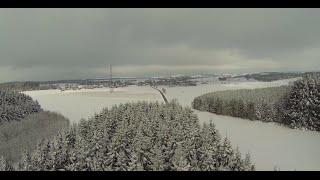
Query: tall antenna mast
{"points": [[110, 73], [111, 84]]}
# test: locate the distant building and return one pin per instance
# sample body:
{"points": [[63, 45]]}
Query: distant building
{"points": [[225, 77], [222, 78]]}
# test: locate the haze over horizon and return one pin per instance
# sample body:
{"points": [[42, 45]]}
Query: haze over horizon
{"points": [[53, 44]]}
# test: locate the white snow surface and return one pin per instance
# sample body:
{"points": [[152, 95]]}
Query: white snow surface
{"points": [[77, 104], [269, 144]]}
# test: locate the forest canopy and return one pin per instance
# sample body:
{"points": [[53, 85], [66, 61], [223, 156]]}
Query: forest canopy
{"points": [[138, 136], [296, 106], [16, 106], [23, 124]]}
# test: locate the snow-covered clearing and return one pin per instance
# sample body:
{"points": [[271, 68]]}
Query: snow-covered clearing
{"points": [[77, 104], [270, 145]]}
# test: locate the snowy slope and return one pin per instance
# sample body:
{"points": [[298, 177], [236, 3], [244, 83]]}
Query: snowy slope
{"points": [[270, 145]]}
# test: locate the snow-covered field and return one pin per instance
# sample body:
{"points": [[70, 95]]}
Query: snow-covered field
{"points": [[77, 104], [269, 144]]}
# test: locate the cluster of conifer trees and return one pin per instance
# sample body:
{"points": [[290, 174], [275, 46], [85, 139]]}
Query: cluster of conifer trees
{"points": [[297, 105], [254, 104], [139, 136], [16, 106], [22, 124], [302, 107]]}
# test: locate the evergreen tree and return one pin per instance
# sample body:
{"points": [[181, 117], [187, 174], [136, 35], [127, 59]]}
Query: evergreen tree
{"points": [[250, 111], [237, 163], [16, 106], [40, 159], [225, 155], [4, 166], [25, 164], [303, 105], [248, 166]]}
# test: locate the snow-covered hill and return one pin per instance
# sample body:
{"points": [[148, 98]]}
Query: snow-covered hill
{"points": [[270, 145]]}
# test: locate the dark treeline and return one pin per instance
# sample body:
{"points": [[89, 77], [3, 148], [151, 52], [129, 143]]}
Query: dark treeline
{"points": [[254, 104], [138, 136], [20, 86], [27, 86], [16, 106], [272, 76], [297, 105]]}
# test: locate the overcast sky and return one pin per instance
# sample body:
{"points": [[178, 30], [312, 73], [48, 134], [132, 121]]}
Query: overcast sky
{"points": [[50, 44]]}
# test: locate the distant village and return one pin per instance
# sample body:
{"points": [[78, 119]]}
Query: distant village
{"points": [[123, 82], [171, 81], [107, 83]]}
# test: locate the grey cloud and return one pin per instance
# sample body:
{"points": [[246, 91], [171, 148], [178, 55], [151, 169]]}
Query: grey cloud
{"points": [[71, 43]]}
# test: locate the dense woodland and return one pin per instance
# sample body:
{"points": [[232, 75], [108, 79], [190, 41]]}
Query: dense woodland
{"points": [[302, 108], [23, 124], [133, 137], [259, 104], [297, 105], [16, 106]]}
